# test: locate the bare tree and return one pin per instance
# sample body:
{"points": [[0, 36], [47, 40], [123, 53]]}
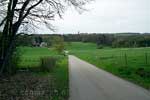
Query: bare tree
{"points": [[14, 13]]}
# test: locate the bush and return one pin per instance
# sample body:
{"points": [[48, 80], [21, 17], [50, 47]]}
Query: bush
{"points": [[58, 44], [125, 71], [145, 73], [100, 47], [47, 63]]}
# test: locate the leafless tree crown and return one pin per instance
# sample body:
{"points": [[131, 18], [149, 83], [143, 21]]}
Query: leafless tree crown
{"points": [[31, 11]]}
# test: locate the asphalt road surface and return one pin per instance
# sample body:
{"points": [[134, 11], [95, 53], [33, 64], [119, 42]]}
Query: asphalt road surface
{"points": [[90, 83]]}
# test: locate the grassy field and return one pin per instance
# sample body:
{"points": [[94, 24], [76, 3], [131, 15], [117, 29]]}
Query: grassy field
{"points": [[30, 56], [132, 64]]}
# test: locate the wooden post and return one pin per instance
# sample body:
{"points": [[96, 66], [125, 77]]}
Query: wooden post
{"points": [[126, 62], [146, 58]]}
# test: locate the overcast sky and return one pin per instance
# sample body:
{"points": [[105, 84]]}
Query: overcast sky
{"points": [[106, 16]]}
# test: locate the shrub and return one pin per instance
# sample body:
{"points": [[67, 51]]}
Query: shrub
{"points": [[99, 46], [125, 71], [58, 44], [47, 63], [145, 73]]}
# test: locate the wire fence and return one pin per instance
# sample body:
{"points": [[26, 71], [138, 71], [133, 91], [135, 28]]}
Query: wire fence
{"points": [[125, 59]]}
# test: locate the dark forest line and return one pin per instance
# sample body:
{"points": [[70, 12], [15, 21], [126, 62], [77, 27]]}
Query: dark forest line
{"points": [[111, 39]]}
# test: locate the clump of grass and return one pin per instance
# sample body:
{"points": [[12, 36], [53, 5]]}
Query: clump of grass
{"points": [[125, 71], [100, 46], [143, 72], [47, 63]]}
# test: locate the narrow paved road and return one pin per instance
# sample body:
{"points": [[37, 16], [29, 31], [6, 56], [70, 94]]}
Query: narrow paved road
{"points": [[90, 83]]}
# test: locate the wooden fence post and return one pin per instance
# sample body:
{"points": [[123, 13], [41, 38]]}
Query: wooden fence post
{"points": [[146, 58], [126, 62]]}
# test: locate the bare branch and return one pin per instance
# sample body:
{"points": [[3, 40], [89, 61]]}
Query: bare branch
{"points": [[28, 11], [3, 21]]}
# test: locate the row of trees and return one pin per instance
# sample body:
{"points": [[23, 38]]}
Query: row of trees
{"points": [[35, 39], [137, 40], [100, 39], [112, 40]]}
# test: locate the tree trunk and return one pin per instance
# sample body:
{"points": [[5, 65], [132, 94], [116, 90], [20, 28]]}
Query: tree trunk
{"points": [[7, 40]]}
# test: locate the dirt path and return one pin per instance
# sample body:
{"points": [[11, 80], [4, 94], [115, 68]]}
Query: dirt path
{"points": [[90, 83]]}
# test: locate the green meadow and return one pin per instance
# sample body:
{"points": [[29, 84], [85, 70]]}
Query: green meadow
{"points": [[132, 64], [30, 56]]}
